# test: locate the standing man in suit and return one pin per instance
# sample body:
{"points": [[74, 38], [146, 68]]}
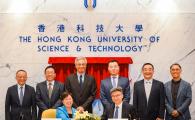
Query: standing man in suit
{"points": [[114, 81], [82, 86], [178, 96], [48, 92], [149, 96], [120, 109], [20, 101]]}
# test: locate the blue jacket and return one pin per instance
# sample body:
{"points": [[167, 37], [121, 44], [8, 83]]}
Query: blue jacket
{"points": [[62, 113], [184, 98]]}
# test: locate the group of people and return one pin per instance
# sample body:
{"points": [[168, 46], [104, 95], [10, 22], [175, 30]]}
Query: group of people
{"points": [[150, 97]]}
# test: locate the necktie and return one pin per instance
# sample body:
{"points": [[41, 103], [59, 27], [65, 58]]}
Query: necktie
{"points": [[114, 82], [50, 90], [21, 95], [116, 112], [81, 81]]}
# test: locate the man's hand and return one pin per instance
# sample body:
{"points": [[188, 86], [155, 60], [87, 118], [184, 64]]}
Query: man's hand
{"points": [[158, 118], [175, 113], [80, 109]]}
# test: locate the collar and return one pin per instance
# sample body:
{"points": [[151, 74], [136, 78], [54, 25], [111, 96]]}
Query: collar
{"points": [[148, 81], [78, 74], [176, 81], [115, 76], [21, 86], [50, 82]]}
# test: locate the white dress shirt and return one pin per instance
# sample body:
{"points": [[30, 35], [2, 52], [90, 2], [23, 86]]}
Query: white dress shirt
{"points": [[148, 86], [83, 75], [52, 84]]}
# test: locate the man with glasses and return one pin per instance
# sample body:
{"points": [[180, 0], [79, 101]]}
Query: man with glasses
{"points": [[115, 80], [120, 109], [178, 96], [82, 86]]}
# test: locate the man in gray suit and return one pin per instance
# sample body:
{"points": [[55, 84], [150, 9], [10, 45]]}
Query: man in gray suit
{"points": [[178, 96], [112, 82], [48, 92], [82, 86]]}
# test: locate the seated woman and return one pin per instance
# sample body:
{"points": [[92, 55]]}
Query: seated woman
{"points": [[66, 112]]}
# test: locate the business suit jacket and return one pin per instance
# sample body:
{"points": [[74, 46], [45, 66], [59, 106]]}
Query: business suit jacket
{"points": [[42, 96], [82, 96], [156, 102], [183, 101], [13, 109], [128, 111], [106, 86], [62, 113]]}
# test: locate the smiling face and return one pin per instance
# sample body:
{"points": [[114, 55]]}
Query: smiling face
{"points": [[117, 97], [113, 68], [175, 71], [68, 101], [21, 77], [81, 65], [50, 74], [148, 71]]}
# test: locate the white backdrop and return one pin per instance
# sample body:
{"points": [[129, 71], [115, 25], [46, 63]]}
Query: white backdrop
{"points": [[172, 20]]}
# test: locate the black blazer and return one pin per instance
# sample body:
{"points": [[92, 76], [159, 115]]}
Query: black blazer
{"points": [[156, 104], [128, 112], [15, 111], [42, 96], [82, 96]]}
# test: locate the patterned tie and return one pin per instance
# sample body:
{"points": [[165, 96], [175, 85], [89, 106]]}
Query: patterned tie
{"points": [[114, 82], [116, 112], [81, 82], [50, 90], [21, 95]]}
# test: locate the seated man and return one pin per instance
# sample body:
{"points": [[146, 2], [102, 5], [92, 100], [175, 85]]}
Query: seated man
{"points": [[120, 109]]}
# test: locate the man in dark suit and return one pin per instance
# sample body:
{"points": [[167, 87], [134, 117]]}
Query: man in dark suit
{"points": [[178, 96], [120, 109], [48, 92], [82, 86], [149, 96], [114, 81], [20, 101]]}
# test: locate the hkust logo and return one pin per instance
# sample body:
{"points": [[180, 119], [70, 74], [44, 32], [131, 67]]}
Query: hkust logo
{"points": [[90, 4]]}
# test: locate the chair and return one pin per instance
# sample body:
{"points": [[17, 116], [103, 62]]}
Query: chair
{"points": [[50, 113]]}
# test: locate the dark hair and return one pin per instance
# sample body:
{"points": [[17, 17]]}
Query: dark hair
{"points": [[111, 61], [21, 70], [49, 67], [175, 64], [116, 89], [147, 64], [64, 95]]}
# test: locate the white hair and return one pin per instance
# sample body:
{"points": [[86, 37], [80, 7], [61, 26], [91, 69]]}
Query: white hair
{"points": [[80, 58]]}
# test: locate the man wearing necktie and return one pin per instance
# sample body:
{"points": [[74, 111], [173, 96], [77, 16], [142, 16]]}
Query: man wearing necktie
{"points": [[149, 96], [82, 86], [20, 103], [115, 80], [48, 92], [120, 109]]}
